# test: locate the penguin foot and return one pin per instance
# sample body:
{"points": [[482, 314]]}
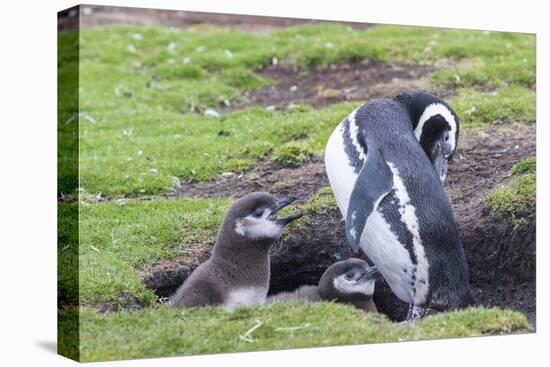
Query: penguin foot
{"points": [[415, 313]]}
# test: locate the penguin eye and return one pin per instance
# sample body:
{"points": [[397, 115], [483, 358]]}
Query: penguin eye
{"points": [[258, 212], [349, 275]]}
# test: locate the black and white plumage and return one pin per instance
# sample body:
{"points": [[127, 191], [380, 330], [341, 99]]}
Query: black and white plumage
{"points": [[386, 163]]}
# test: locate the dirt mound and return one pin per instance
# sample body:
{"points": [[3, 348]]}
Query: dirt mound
{"points": [[321, 86]]}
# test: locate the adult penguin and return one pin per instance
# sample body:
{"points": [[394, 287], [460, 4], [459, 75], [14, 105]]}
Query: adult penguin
{"points": [[386, 163]]}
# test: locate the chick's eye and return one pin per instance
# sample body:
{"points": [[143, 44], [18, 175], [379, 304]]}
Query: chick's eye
{"points": [[349, 276], [258, 213]]}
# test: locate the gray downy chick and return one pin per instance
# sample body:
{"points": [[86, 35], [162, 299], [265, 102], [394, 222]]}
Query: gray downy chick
{"points": [[350, 281], [238, 271]]}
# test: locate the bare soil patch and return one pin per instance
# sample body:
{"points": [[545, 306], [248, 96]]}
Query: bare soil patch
{"points": [[500, 252], [264, 176], [355, 81]]}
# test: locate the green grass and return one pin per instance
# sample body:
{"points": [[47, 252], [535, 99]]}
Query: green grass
{"points": [[168, 332], [147, 151], [117, 240], [322, 201], [141, 88], [293, 154], [507, 105], [519, 193]]}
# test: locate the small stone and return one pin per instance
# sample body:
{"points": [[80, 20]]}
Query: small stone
{"points": [[294, 88], [211, 112], [471, 110], [228, 174]]}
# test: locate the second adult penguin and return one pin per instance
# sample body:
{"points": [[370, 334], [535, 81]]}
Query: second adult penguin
{"points": [[390, 193], [238, 271]]}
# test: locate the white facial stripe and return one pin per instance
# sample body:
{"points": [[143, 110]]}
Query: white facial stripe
{"points": [[245, 297], [347, 287], [239, 228], [256, 228], [340, 172], [408, 216], [353, 129], [433, 110]]}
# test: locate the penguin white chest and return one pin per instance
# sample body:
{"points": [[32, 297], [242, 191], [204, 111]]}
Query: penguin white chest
{"points": [[340, 172], [246, 296], [408, 279]]}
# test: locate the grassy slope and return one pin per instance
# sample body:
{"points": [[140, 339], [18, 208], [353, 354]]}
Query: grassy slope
{"points": [[139, 85], [148, 151], [117, 240], [166, 332], [519, 193]]}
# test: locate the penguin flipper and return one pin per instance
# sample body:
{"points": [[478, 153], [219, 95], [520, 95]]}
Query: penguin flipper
{"points": [[374, 182]]}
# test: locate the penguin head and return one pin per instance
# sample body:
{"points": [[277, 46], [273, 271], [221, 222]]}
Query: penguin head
{"points": [[348, 280], [435, 125], [254, 217]]}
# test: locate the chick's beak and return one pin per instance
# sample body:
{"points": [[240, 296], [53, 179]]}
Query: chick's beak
{"points": [[369, 273], [282, 203]]}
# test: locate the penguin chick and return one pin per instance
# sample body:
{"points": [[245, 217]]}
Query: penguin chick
{"points": [[238, 271], [349, 281]]}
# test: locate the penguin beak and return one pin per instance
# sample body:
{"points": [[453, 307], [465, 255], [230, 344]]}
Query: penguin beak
{"points": [[369, 273], [441, 161], [282, 203]]}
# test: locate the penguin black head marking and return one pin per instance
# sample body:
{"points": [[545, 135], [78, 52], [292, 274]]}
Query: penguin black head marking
{"points": [[254, 216], [436, 126], [348, 280]]}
